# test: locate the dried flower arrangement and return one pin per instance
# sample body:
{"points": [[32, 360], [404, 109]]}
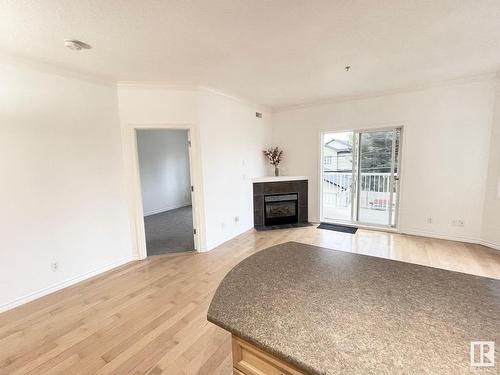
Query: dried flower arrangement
{"points": [[274, 155]]}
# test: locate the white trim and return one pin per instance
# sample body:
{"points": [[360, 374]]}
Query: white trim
{"points": [[319, 170], [448, 237], [420, 233], [222, 241], [279, 178], [237, 98], [167, 208], [476, 241], [408, 89], [494, 246], [64, 284], [153, 85], [58, 70]]}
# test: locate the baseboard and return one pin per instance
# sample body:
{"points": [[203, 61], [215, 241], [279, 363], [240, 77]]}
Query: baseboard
{"points": [[64, 284], [224, 240], [439, 236], [421, 233], [475, 241], [492, 245], [167, 208]]}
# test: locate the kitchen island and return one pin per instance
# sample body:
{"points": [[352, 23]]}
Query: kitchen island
{"points": [[301, 309]]}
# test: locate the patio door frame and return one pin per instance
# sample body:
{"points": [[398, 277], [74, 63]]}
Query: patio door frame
{"points": [[356, 177]]}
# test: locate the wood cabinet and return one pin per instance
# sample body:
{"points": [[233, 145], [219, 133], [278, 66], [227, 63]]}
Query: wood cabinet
{"points": [[249, 360]]}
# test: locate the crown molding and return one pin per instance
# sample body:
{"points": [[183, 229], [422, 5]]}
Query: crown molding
{"points": [[46, 67], [236, 98], [51, 68], [152, 85], [490, 75]]}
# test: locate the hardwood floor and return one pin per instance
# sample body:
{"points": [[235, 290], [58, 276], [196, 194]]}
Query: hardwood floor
{"points": [[150, 316]]}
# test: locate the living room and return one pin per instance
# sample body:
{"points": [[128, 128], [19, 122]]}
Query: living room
{"points": [[387, 117]]}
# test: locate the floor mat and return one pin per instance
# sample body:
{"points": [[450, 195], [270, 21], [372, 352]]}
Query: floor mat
{"points": [[338, 228]]}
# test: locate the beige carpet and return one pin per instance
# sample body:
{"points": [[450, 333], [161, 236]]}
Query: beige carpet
{"points": [[170, 231]]}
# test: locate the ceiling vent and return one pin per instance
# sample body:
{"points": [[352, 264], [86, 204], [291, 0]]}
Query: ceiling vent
{"points": [[258, 114]]}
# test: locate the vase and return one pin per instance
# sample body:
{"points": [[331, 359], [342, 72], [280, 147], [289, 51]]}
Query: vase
{"points": [[276, 171]]}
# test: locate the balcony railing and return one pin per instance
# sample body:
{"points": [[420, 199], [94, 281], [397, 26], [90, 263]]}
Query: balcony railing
{"points": [[374, 190]]}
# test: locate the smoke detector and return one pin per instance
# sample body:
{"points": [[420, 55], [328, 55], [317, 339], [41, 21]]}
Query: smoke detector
{"points": [[76, 45]]}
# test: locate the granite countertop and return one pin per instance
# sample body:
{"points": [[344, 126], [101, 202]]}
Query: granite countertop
{"points": [[332, 312]]}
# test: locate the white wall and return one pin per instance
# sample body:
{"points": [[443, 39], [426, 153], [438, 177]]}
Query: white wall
{"points": [[232, 140], [227, 144], [491, 218], [164, 169], [61, 195], [143, 106], [445, 151]]}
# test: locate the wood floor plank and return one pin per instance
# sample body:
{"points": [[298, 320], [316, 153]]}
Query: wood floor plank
{"points": [[149, 317]]}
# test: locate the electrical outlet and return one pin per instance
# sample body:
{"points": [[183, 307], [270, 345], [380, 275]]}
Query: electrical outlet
{"points": [[429, 220], [54, 266], [222, 225], [457, 223], [236, 219]]}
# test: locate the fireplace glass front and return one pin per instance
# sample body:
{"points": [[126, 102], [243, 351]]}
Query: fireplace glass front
{"points": [[280, 209]]}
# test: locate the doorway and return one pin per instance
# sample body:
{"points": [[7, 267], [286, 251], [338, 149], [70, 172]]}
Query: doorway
{"points": [[360, 177], [166, 190]]}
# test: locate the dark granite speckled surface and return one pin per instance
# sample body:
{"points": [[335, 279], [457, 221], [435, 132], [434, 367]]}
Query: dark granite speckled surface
{"points": [[332, 312]]}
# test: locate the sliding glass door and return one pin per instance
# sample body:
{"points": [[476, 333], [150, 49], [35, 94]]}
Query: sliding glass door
{"points": [[338, 176], [360, 177]]}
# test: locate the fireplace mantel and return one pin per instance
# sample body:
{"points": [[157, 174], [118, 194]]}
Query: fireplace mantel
{"points": [[278, 178]]}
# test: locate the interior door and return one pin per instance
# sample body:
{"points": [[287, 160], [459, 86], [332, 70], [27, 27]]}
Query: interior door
{"points": [[360, 177]]}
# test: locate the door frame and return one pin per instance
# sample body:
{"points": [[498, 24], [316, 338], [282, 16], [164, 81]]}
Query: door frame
{"points": [[193, 173], [353, 223]]}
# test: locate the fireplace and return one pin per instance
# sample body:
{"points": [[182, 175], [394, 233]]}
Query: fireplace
{"points": [[281, 209], [279, 202]]}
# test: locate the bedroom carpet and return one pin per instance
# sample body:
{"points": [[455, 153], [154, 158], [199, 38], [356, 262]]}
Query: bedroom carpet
{"points": [[170, 231]]}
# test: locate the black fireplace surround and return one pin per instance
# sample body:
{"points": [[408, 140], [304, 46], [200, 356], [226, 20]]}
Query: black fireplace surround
{"points": [[279, 202]]}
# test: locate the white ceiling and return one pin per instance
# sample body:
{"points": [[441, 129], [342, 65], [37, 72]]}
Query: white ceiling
{"points": [[275, 52]]}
